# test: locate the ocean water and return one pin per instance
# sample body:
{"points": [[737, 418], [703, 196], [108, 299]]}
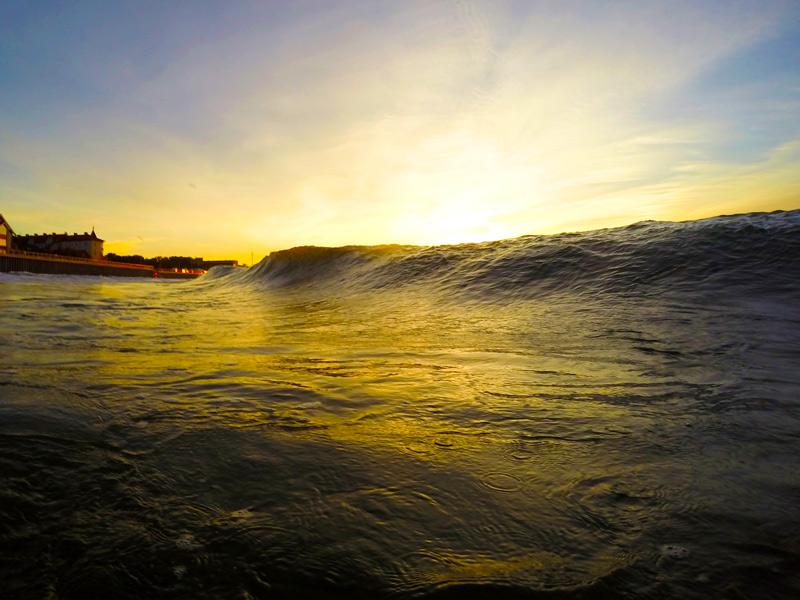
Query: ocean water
{"points": [[608, 414]]}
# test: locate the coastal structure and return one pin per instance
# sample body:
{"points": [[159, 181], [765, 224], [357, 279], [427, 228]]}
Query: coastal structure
{"points": [[6, 233], [207, 264], [87, 245], [76, 254], [52, 264], [61, 254]]}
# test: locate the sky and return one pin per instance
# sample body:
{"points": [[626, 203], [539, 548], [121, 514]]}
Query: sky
{"points": [[221, 128]]}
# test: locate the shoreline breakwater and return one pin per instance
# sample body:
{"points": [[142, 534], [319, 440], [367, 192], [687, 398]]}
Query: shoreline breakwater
{"points": [[30, 262]]}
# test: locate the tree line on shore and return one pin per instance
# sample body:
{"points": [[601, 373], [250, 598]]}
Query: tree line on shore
{"points": [[159, 262]]}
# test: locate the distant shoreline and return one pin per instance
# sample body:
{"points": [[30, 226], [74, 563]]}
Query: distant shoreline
{"points": [[29, 262]]}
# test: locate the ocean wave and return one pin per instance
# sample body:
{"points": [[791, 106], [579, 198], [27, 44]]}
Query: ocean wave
{"points": [[748, 253]]}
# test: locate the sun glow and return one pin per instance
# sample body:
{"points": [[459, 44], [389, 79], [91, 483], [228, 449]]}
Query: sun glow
{"points": [[410, 123]]}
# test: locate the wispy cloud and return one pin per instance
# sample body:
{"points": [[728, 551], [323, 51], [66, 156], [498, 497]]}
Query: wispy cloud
{"points": [[407, 122]]}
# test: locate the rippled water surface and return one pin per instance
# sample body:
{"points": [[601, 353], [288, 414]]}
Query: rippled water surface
{"points": [[200, 440]]}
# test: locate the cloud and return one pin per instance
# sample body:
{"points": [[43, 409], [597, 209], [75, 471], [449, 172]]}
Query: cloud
{"points": [[410, 122]]}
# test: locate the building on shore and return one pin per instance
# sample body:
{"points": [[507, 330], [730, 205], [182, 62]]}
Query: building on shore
{"points": [[6, 235], [76, 245], [61, 254]]}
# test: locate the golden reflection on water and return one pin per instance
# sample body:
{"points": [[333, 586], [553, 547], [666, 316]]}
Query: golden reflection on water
{"points": [[476, 568], [515, 405], [423, 379]]}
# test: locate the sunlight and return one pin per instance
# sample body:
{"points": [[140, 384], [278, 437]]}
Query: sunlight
{"points": [[463, 219]]}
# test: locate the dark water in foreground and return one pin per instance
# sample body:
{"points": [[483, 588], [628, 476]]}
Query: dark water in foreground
{"points": [[611, 414]]}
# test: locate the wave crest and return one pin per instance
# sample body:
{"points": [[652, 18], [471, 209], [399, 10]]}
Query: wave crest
{"points": [[749, 253]]}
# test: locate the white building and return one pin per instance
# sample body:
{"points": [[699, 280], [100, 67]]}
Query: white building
{"points": [[87, 245]]}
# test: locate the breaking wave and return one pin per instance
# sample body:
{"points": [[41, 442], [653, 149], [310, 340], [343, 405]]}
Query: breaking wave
{"points": [[743, 254]]}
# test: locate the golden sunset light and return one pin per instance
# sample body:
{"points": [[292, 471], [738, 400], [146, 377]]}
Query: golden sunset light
{"points": [[399, 299], [223, 128]]}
